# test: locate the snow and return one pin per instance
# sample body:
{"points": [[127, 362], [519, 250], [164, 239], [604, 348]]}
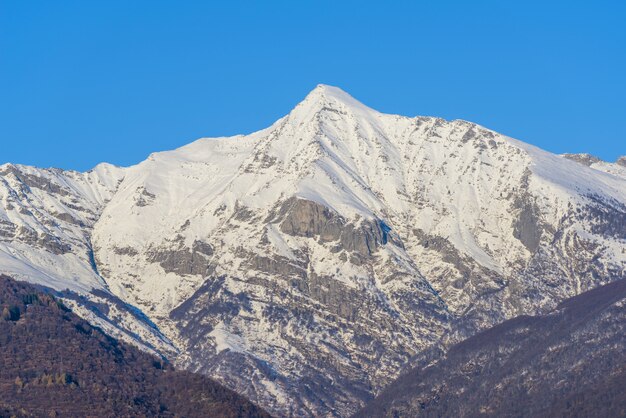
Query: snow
{"points": [[281, 247], [224, 340]]}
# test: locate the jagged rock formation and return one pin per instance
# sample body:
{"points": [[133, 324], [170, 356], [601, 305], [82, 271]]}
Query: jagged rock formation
{"points": [[53, 363], [570, 362], [303, 265], [586, 159], [617, 169]]}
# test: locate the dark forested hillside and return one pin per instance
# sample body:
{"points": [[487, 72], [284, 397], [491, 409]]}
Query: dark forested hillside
{"points": [[52, 363], [569, 363]]}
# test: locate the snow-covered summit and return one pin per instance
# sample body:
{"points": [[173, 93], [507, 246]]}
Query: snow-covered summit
{"points": [[333, 97]]}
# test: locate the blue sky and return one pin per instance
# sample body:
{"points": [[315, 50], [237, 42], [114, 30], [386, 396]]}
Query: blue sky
{"points": [[88, 81]]}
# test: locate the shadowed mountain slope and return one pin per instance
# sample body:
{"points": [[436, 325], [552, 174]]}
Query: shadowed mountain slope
{"points": [[568, 363]]}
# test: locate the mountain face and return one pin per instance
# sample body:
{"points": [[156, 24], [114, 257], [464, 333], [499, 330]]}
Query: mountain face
{"points": [[47, 218], [53, 363], [305, 264], [569, 362]]}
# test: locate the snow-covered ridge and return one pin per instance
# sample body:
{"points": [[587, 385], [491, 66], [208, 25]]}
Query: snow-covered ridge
{"points": [[618, 168]]}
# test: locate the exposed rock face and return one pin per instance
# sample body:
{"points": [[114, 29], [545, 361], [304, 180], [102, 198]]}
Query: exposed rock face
{"points": [[586, 159], [527, 228], [569, 362], [304, 264], [606, 218], [41, 240], [182, 260], [304, 218], [618, 168]]}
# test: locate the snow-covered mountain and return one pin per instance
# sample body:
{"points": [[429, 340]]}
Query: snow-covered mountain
{"points": [[303, 265]]}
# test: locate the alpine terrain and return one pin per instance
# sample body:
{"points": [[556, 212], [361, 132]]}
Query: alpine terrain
{"points": [[304, 265]]}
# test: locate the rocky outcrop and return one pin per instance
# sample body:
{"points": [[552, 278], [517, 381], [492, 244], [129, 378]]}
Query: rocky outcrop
{"points": [[42, 240], [527, 227], [144, 197], [180, 259], [585, 159], [606, 217], [34, 181], [226, 323], [305, 218]]}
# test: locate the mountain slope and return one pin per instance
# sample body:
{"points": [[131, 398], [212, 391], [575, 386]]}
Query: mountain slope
{"points": [[53, 363], [570, 362], [303, 265], [46, 222]]}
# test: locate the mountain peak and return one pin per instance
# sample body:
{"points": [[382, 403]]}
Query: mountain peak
{"points": [[325, 97], [325, 90]]}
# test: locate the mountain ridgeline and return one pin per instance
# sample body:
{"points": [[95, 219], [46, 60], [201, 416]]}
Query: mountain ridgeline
{"points": [[305, 265]]}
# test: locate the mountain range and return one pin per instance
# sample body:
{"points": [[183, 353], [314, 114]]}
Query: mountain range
{"points": [[307, 265]]}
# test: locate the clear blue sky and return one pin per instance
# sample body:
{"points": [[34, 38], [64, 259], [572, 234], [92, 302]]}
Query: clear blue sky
{"points": [[89, 81]]}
